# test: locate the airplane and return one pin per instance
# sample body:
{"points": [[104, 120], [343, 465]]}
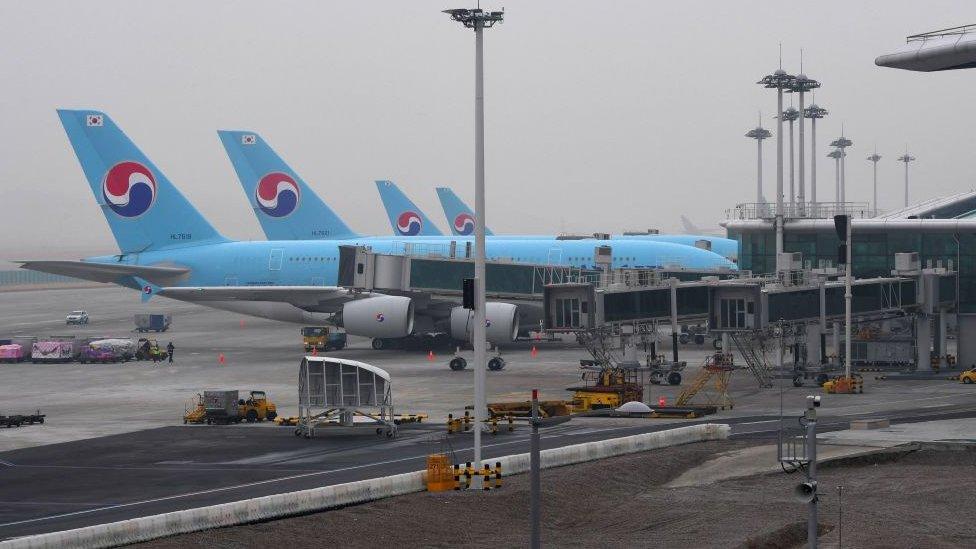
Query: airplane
{"points": [[167, 248], [460, 218], [258, 165]]}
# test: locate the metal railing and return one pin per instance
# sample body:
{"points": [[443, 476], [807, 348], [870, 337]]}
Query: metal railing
{"points": [[807, 210], [951, 31]]}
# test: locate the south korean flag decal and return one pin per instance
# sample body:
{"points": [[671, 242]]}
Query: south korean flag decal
{"points": [[249, 139], [94, 120]]}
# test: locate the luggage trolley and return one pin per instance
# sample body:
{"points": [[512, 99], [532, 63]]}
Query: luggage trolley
{"points": [[337, 392]]}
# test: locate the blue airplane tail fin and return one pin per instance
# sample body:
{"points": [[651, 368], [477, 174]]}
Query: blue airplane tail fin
{"points": [[405, 217], [144, 210], [460, 218], [286, 207]]}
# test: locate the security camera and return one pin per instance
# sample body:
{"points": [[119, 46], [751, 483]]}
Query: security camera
{"points": [[805, 492], [813, 402]]}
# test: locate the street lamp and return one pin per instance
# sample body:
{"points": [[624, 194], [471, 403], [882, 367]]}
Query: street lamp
{"points": [[874, 158], [478, 20], [836, 154], [790, 115], [779, 81], [813, 112], [759, 133], [842, 143], [801, 85], [906, 158]]}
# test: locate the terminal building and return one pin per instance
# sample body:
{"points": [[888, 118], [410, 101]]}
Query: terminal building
{"points": [[942, 231]]}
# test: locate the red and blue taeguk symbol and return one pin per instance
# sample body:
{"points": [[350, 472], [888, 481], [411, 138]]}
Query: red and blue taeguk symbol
{"points": [[464, 224], [277, 194], [380, 317], [129, 189], [409, 223]]}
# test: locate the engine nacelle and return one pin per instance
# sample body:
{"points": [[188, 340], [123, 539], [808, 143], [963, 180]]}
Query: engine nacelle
{"points": [[388, 316], [501, 320]]}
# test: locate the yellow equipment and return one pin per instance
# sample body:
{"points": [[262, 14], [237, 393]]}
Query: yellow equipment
{"points": [[196, 413], [712, 382], [322, 338], [969, 376], [845, 385], [257, 407]]}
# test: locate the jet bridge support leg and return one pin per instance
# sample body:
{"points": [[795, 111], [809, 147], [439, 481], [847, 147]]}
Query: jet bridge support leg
{"points": [[923, 343]]}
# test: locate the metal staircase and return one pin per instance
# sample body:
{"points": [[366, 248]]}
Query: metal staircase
{"points": [[746, 345]]}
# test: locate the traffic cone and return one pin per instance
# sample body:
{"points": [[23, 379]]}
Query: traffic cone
{"points": [[242, 323], [430, 356], [662, 402], [315, 351], [535, 352], [221, 359]]}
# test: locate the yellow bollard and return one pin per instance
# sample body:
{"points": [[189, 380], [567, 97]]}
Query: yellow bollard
{"points": [[457, 476], [511, 423], [467, 475], [450, 423], [494, 425], [485, 478], [467, 420], [498, 475]]}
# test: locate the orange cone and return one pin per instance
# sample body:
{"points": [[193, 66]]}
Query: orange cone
{"points": [[242, 323], [535, 352], [221, 359], [430, 356], [662, 402]]}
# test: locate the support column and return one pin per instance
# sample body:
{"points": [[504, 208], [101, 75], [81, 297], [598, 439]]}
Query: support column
{"points": [[966, 340], [923, 343], [835, 339], [940, 339]]}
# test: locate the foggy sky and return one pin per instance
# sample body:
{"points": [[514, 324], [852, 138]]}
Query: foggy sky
{"points": [[600, 116]]}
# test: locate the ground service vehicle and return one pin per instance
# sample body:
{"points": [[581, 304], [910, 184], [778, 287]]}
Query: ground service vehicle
{"points": [[76, 317], [322, 338], [152, 322], [969, 376], [257, 407], [225, 406], [11, 352], [52, 351], [845, 385]]}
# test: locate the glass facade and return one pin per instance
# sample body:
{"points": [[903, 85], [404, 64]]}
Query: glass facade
{"points": [[873, 253]]}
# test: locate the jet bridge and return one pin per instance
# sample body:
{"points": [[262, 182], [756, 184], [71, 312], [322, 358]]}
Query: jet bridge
{"points": [[751, 311]]}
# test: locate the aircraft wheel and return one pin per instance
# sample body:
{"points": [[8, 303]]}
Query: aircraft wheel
{"points": [[674, 378], [457, 364], [496, 364], [379, 343]]}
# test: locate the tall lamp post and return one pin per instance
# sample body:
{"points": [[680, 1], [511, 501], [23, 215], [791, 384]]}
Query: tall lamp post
{"points": [[802, 84], [874, 158], [759, 133], [790, 115], [478, 20], [836, 154], [813, 112], [906, 158], [842, 143], [779, 81]]}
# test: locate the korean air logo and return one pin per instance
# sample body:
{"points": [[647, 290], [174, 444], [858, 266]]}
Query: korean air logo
{"points": [[129, 189], [409, 223], [277, 194], [464, 224], [380, 317]]}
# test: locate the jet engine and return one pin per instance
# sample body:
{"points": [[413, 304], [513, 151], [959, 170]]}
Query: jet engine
{"points": [[501, 322], [387, 316]]}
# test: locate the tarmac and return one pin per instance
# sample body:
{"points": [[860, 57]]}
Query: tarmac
{"points": [[114, 445]]}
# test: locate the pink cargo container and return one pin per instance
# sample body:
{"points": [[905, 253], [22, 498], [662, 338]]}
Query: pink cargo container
{"points": [[52, 351], [11, 353]]}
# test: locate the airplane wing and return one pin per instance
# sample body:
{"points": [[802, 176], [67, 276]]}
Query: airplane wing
{"points": [[310, 298], [107, 272]]}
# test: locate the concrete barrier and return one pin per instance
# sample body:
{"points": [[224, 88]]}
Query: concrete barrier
{"points": [[339, 495]]}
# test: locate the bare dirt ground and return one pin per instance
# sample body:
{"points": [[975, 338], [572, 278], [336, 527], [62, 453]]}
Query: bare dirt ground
{"points": [[917, 499]]}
